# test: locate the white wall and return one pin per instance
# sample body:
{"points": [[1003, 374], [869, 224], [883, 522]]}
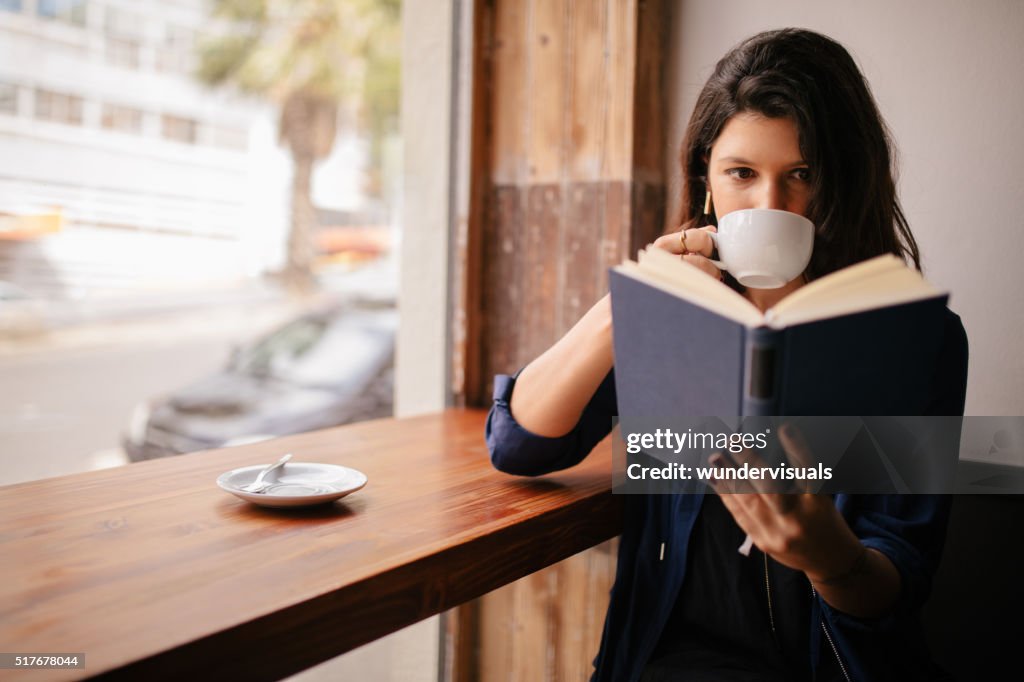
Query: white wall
{"points": [[427, 63], [947, 78]]}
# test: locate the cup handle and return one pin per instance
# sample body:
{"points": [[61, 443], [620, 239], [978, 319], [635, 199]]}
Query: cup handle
{"points": [[717, 263]]}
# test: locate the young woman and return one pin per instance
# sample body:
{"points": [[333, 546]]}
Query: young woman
{"points": [[834, 587]]}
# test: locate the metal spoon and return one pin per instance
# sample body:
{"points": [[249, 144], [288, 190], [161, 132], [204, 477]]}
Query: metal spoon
{"points": [[259, 485]]}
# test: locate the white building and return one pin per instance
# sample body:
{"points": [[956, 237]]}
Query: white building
{"points": [[159, 181]]}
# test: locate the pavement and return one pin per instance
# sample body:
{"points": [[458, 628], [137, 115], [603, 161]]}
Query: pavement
{"points": [[33, 326]]}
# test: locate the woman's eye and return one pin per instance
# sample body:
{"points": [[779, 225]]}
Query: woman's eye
{"points": [[802, 174], [740, 173]]}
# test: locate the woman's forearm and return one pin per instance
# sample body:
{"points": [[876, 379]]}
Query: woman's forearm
{"points": [[867, 589], [552, 391]]}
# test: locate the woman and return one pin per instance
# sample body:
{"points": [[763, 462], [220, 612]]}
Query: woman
{"points": [[834, 587]]}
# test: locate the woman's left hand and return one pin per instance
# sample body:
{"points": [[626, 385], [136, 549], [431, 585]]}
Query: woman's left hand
{"points": [[801, 530]]}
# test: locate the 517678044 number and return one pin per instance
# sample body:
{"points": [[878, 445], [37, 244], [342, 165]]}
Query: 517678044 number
{"points": [[41, 661]]}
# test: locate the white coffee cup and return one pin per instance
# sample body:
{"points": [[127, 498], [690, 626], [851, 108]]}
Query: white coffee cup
{"points": [[763, 248]]}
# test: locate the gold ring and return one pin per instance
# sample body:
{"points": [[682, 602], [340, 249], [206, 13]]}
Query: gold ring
{"points": [[682, 241]]}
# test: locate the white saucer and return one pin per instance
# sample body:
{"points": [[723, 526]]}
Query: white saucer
{"points": [[297, 484]]}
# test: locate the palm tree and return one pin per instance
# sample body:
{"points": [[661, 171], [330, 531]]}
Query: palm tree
{"points": [[310, 57]]}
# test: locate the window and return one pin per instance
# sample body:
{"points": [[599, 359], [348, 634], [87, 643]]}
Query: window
{"points": [[68, 11], [175, 51], [123, 52], [122, 119], [58, 107], [122, 24], [179, 129], [8, 98], [10, 5], [229, 138]]}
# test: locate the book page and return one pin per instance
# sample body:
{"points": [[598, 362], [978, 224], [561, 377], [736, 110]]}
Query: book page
{"points": [[692, 284], [880, 288], [840, 278], [876, 283], [668, 285]]}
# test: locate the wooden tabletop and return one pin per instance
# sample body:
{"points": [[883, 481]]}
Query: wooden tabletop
{"points": [[155, 573]]}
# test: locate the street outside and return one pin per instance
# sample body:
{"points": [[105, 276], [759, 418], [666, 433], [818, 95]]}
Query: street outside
{"points": [[68, 398]]}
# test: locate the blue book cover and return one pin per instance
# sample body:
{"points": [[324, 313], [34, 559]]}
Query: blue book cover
{"points": [[684, 348]]}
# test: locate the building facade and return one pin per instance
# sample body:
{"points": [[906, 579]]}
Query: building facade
{"points": [[119, 172]]}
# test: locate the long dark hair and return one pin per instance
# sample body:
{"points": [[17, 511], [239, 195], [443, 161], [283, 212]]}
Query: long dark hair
{"points": [[814, 81]]}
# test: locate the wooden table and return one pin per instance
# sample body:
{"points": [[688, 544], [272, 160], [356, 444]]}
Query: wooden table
{"points": [[155, 573]]}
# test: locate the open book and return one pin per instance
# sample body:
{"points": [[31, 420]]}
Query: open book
{"points": [[860, 341]]}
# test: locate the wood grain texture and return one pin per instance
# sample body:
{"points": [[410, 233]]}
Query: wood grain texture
{"points": [[545, 113], [541, 302], [581, 254], [502, 291], [588, 105], [508, 55], [155, 573], [574, 110], [649, 92], [620, 70], [472, 184]]}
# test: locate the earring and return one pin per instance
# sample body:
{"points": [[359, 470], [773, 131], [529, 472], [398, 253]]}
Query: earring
{"points": [[707, 203]]}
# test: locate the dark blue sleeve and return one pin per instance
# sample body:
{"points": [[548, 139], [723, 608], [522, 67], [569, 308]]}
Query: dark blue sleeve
{"points": [[514, 450], [911, 529]]}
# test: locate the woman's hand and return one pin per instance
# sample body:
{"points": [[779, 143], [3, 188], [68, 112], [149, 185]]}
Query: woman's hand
{"points": [[806, 532], [799, 529], [699, 248]]}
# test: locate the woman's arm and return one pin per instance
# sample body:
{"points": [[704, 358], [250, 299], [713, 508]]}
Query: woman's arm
{"points": [[551, 392], [868, 588]]}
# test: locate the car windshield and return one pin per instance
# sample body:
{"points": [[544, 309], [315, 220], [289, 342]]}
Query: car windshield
{"points": [[328, 350]]}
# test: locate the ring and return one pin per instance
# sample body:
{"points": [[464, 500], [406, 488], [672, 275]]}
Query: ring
{"points": [[682, 241]]}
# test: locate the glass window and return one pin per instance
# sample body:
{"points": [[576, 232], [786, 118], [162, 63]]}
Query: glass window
{"points": [[68, 11], [175, 52], [123, 52], [229, 138], [8, 98], [143, 245], [179, 129], [123, 119], [124, 24], [58, 107]]}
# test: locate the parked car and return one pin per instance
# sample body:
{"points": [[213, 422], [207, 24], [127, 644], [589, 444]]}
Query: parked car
{"points": [[324, 368]]}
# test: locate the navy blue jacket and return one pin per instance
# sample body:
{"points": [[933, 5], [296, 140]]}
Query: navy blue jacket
{"points": [[909, 529]]}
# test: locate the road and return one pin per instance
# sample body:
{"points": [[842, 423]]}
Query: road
{"points": [[66, 400]]}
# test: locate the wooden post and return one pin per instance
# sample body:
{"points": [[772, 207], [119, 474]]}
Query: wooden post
{"points": [[566, 179]]}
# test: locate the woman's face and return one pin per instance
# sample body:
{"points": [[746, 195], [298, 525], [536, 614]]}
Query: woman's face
{"points": [[756, 163]]}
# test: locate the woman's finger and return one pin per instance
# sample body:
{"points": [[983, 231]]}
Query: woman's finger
{"points": [[697, 241], [753, 461], [704, 264], [797, 451], [783, 503], [670, 242]]}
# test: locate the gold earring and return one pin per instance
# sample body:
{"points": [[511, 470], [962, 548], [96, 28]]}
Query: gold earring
{"points": [[707, 203]]}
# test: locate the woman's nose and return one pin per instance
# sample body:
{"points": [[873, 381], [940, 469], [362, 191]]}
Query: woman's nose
{"points": [[773, 195]]}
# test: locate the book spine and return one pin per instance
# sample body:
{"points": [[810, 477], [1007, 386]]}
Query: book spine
{"points": [[762, 364]]}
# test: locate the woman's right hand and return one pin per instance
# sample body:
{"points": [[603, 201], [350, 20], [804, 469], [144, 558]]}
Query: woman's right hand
{"points": [[699, 248]]}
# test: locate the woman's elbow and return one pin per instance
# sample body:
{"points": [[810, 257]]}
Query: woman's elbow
{"points": [[509, 459]]}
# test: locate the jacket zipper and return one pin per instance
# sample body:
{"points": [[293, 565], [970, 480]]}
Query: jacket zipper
{"points": [[824, 629], [768, 591]]}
